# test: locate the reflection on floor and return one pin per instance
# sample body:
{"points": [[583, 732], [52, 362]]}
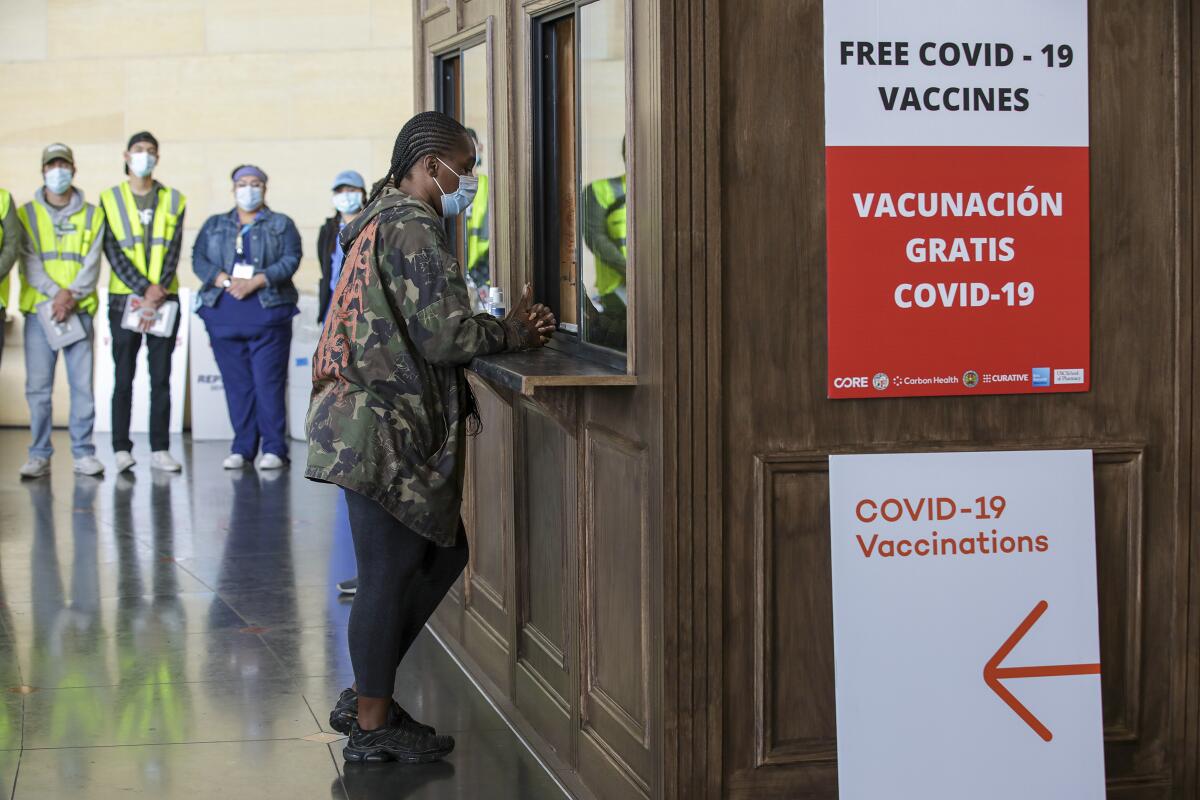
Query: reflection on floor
{"points": [[174, 636]]}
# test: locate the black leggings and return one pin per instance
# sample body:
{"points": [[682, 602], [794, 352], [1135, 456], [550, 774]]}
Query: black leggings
{"points": [[402, 576]]}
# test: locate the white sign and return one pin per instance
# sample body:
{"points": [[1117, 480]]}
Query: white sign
{"points": [[949, 72], [305, 335], [965, 625], [105, 372], [210, 413]]}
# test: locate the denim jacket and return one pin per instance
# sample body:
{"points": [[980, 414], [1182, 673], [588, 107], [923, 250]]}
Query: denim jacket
{"points": [[274, 248]]}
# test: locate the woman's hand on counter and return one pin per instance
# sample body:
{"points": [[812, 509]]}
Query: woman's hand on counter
{"points": [[536, 319]]}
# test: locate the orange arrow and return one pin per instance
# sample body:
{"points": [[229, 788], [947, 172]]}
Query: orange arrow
{"points": [[993, 672]]}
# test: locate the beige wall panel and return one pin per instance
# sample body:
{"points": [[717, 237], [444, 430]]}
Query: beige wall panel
{"points": [[270, 96], [47, 101], [212, 97], [326, 99], [286, 26], [86, 28], [23, 34], [391, 28]]}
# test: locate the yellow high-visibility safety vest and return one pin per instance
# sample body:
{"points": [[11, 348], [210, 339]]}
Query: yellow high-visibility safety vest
{"points": [[120, 210], [477, 227], [62, 252], [5, 205], [610, 194]]}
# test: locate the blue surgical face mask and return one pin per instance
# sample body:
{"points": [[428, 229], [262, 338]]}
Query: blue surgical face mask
{"points": [[142, 163], [460, 200], [58, 180], [249, 198], [348, 202]]}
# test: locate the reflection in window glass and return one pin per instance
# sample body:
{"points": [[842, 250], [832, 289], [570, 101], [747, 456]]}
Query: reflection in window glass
{"points": [[476, 221], [602, 172]]}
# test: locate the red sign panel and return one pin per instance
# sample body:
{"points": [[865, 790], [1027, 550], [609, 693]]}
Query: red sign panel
{"points": [[957, 270]]}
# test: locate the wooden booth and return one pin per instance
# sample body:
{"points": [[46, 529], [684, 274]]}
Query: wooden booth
{"points": [[648, 599]]}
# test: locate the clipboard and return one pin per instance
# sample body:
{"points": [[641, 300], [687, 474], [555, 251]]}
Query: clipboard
{"points": [[59, 334], [164, 317]]}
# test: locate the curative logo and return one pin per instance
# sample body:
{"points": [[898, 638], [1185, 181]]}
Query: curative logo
{"points": [[881, 381], [1041, 376], [970, 379]]}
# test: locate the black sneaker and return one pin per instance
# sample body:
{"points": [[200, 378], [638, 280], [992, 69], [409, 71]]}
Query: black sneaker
{"points": [[395, 744], [349, 587], [345, 712]]}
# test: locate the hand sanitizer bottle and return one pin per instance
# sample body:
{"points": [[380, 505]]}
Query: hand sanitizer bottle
{"points": [[496, 302]]}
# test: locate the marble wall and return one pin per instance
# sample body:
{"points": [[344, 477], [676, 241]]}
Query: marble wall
{"points": [[302, 88]]}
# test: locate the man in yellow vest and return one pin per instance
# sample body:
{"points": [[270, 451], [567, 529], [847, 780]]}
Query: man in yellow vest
{"points": [[478, 231], [143, 239], [10, 247], [604, 226], [60, 265]]}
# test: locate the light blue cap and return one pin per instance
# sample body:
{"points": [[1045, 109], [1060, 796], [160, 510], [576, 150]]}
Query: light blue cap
{"points": [[349, 178]]}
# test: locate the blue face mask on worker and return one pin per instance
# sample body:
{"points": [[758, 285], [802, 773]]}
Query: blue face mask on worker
{"points": [[461, 198], [58, 179], [348, 202], [142, 163], [249, 197]]}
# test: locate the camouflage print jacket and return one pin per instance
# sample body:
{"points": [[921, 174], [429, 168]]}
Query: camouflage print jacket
{"points": [[389, 403]]}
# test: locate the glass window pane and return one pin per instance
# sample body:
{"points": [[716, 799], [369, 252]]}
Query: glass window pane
{"points": [[603, 185], [564, 172], [476, 221]]}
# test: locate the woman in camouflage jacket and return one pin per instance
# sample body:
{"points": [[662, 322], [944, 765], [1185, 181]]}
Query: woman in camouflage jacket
{"points": [[387, 419]]}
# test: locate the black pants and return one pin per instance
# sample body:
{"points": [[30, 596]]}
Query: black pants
{"points": [[402, 576], [125, 346]]}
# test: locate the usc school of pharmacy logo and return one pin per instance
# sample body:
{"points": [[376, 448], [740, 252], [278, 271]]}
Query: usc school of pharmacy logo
{"points": [[880, 381], [970, 379]]}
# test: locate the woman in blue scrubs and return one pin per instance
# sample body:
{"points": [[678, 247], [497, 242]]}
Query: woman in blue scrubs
{"points": [[245, 259]]}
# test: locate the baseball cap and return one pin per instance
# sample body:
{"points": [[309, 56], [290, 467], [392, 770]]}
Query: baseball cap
{"points": [[142, 136], [57, 150], [349, 178]]}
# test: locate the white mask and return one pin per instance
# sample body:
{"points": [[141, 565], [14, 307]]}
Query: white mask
{"points": [[58, 180], [249, 198], [348, 202], [142, 163]]}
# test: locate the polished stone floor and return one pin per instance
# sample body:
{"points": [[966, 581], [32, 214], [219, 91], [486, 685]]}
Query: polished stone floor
{"points": [[174, 636]]}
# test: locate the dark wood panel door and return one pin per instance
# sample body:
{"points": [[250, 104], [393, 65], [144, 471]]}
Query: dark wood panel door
{"points": [[546, 677], [779, 428], [487, 602]]}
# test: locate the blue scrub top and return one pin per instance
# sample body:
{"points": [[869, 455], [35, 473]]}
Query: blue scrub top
{"points": [[230, 313]]}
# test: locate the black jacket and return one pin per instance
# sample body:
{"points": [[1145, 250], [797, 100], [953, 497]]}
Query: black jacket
{"points": [[325, 241]]}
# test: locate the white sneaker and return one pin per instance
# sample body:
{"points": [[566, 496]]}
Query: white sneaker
{"points": [[88, 465], [271, 461], [125, 460], [35, 467], [161, 459], [234, 461]]}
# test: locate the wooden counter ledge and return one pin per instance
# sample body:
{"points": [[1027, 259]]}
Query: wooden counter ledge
{"points": [[525, 372]]}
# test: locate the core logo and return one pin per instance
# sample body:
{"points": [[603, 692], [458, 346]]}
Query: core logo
{"points": [[970, 379], [850, 383], [881, 381]]}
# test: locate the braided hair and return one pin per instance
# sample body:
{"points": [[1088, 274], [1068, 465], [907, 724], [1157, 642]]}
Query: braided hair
{"points": [[428, 133]]}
